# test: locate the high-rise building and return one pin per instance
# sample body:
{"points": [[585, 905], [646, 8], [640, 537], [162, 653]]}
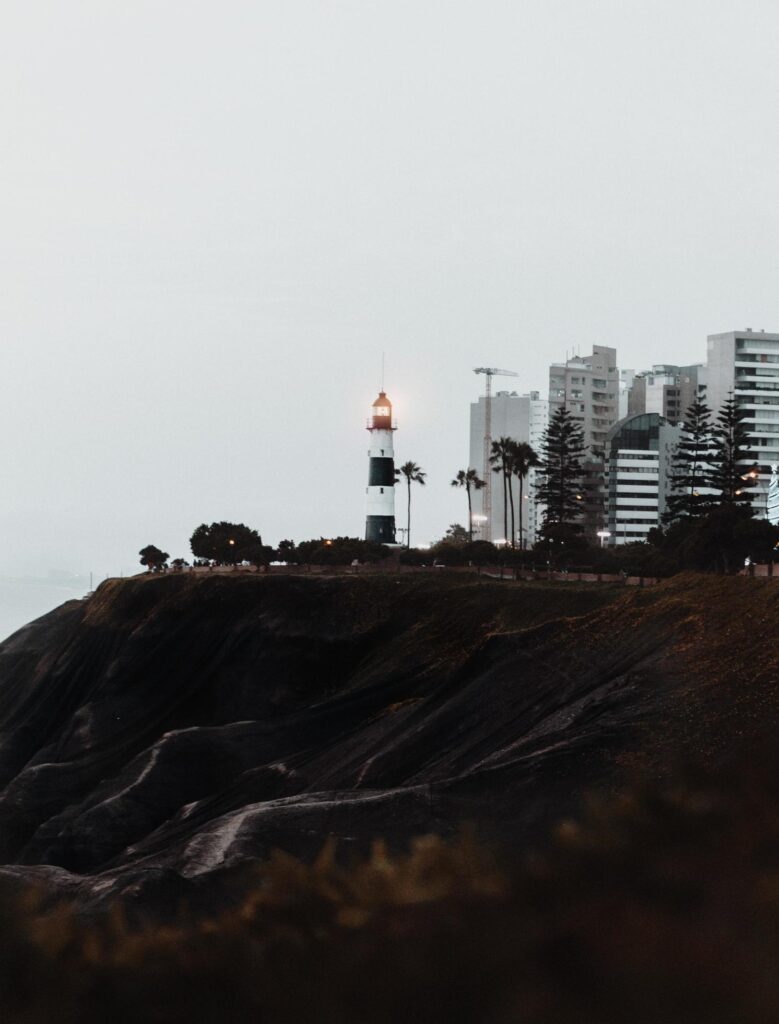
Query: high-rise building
{"points": [[589, 387], [522, 418], [745, 364], [666, 390], [625, 388], [639, 454]]}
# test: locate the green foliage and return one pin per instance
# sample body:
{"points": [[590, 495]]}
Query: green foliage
{"points": [[691, 464], [523, 459], [339, 551], [285, 552], [153, 558], [563, 534], [631, 560], [228, 543], [500, 460], [471, 481], [731, 478], [446, 552], [457, 535], [413, 474], [512, 459], [720, 540], [659, 903], [560, 476]]}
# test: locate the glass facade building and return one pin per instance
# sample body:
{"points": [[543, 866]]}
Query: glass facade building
{"points": [[639, 453]]}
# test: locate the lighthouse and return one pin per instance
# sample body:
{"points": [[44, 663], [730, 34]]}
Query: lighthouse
{"points": [[380, 518]]}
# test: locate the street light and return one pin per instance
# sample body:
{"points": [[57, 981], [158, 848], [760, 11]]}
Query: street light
{"points": [[603, 534]]}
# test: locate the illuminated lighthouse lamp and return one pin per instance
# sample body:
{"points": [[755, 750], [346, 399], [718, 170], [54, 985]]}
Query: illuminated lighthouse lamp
{"points": [[380, 517]]}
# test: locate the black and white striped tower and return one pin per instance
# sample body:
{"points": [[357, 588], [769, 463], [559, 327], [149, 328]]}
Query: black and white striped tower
{"points": [[380, 519]]}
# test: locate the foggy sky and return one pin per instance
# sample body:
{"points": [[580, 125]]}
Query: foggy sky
{"points": [[216, 216]]}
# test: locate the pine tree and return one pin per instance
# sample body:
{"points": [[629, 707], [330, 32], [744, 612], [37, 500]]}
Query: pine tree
{"points": [[731, 475], [559, 477], [691, 469]]}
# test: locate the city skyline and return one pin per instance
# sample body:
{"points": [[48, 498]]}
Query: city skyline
{"points": [[213, 230]]}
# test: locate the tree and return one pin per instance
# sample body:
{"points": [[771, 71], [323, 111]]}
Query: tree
{"points": [[285, 552], [729, 476], [470, 480], [153, 558], [457, 535], [413, 475], [690, 467], [500, 460], [339, 551], [523, 459], [256, 553], [226, 543], [559, 480]]}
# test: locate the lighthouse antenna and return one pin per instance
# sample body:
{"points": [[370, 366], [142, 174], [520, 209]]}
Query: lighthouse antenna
{"points": [[382, 371]]}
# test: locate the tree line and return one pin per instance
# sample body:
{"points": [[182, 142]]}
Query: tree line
{"points": [[708, 523], [709, 519]]}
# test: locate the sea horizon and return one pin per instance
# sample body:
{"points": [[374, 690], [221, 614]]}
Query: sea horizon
{"points": [[26, 598]]}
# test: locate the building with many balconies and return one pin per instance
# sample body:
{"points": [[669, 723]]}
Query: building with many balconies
{"points": [[667, 390], [745, 364], [522, 418], [639, 455], [589, 387]]}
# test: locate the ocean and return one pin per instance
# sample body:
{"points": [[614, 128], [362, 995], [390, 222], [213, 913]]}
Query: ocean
{"points": [[22, 600]]}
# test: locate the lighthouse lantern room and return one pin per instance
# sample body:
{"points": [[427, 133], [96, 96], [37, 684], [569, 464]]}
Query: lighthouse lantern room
{"points": [[380, 519]]}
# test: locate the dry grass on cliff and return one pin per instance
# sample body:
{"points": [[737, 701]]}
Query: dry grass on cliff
{"points": [[659, 905]]}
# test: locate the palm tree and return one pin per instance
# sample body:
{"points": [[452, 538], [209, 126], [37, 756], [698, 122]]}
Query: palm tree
{"points": [[413, 474], [524, 458], [470, 480], [500, 460]]}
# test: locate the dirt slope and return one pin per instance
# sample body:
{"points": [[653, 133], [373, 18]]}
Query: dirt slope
{"points": [[171, 727]]}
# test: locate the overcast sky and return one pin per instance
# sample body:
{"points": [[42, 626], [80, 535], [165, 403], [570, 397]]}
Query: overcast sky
{"points": [[216, 216]]}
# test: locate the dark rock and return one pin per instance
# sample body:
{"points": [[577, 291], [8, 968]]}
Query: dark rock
{"points": [[174, 727]]}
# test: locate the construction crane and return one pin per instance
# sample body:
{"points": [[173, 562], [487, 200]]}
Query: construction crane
{"points": [[489, 372]]}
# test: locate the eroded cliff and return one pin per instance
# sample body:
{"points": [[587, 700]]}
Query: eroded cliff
{"points": [[171, 727]]}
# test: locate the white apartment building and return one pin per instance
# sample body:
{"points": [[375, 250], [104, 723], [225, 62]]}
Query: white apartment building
{"points": [[589, 387], [639, 454], [625, 386], [666, 389], [523, 418], [746, 365]]}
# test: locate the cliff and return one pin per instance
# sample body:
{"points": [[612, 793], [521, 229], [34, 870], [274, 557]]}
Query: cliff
{"points": [[170, 728]]}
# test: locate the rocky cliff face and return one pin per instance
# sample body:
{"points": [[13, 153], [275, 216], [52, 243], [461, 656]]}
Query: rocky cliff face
{"points": [[170, 728]]}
